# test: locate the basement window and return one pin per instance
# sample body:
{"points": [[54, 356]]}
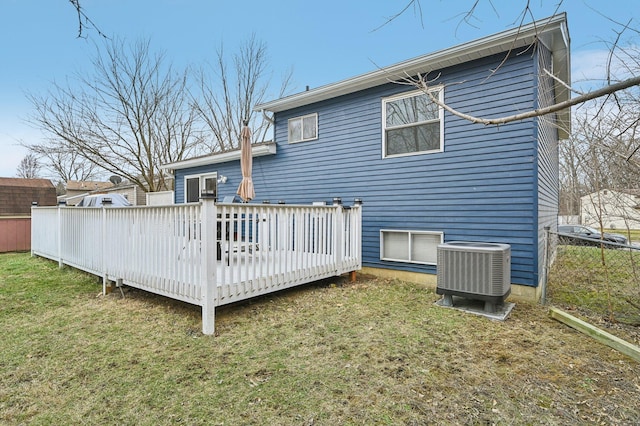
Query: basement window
{"points": [[410, 246]]}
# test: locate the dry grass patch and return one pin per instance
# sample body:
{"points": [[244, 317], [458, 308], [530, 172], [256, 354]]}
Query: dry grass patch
{"points": [[370, 352]]}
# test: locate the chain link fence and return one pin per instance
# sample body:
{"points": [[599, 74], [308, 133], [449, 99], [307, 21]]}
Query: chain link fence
{"points": [[597, 279]]}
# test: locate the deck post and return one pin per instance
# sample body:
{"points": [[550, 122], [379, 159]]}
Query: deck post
{"points": [[339, 235], [31, 225], [208, 264], [357, 236], [60, 264], [103, 242]]}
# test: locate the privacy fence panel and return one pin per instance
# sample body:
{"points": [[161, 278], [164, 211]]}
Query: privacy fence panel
{"points": [[15, 233], [45, 232]]}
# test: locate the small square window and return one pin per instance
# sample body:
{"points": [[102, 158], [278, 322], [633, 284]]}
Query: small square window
{"points": [[395, 245], [304, 128], [424, 247]]}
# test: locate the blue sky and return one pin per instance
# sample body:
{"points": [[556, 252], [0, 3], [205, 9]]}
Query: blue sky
{"points": [[323, 42]]}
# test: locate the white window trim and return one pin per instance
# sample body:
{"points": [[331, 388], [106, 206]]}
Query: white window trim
{"points": [[410, 234], [440, 90], [301, 118], [201, 177]]}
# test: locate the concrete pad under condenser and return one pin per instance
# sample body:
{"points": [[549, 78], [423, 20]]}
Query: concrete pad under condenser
{"points": [[476, 307]]}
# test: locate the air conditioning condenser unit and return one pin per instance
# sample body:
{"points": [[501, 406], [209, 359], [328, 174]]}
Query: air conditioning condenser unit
{"points": [[474, 270]]}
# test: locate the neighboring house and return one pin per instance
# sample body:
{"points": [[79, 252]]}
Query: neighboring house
{"points": [[16, 198], [616, 209], [569, 219], [131, 191], [77, 190], [17, 195], [425, 175]]}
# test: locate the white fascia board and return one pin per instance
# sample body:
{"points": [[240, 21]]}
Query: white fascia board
{"points": [[497, 43], [223, 157]]}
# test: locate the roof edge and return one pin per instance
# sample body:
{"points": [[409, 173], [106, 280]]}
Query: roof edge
{"points": [[482, 47], [257, 150]]}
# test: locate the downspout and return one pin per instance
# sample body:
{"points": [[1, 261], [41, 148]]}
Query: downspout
{"points": [[266, 117]]}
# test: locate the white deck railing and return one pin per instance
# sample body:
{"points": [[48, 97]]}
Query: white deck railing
{"points": [[208, 254]]}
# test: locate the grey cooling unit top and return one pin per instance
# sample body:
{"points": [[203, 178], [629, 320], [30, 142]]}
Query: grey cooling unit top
{"points": [[474, 270]]}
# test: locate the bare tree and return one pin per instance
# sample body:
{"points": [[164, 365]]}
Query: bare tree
{"points": [[572, 181], [29, 168], [602, 153], [128, 117], [227, 96], [63, 161]]}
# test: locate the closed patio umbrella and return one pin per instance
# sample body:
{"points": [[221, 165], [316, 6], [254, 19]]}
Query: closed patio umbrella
{"points": [[245, 190]]}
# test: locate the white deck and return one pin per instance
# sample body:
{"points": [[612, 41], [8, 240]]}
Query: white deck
{"points": [[172, 250], [243, 278]]}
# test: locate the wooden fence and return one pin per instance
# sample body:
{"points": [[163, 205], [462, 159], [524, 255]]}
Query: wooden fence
{"points": [[15, 233], [208, 254]]}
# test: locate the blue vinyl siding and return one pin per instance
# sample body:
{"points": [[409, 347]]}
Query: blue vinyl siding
{"points": [[483, 187], [548, 167]]}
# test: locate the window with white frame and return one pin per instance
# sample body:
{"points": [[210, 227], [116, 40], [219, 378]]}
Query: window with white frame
{"points": [[194, 185], [410, 246], [412, 123], [304, 128]]}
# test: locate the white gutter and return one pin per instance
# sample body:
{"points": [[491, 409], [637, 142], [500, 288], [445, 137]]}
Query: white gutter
{"points": [[553, 28], [222, 157]]}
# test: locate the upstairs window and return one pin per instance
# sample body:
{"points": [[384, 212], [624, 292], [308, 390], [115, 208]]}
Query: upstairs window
{"points": [[303, 128], [412, 124]]}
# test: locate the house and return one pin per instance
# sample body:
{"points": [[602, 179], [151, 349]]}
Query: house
{"points": [[77, 190], [132, 192], [615, 209], [17, 195], [16, 198], [425, 175]]}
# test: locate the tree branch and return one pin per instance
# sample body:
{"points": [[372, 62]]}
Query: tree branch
{"points": [[416, 5], [423, 85], [82, 17]]}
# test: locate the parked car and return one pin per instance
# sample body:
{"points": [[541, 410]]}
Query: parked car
{"points": [[100, 200], [587, 236]]}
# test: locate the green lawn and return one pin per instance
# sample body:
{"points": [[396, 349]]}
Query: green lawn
{"points": [[373, 352], [632, 234]]}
